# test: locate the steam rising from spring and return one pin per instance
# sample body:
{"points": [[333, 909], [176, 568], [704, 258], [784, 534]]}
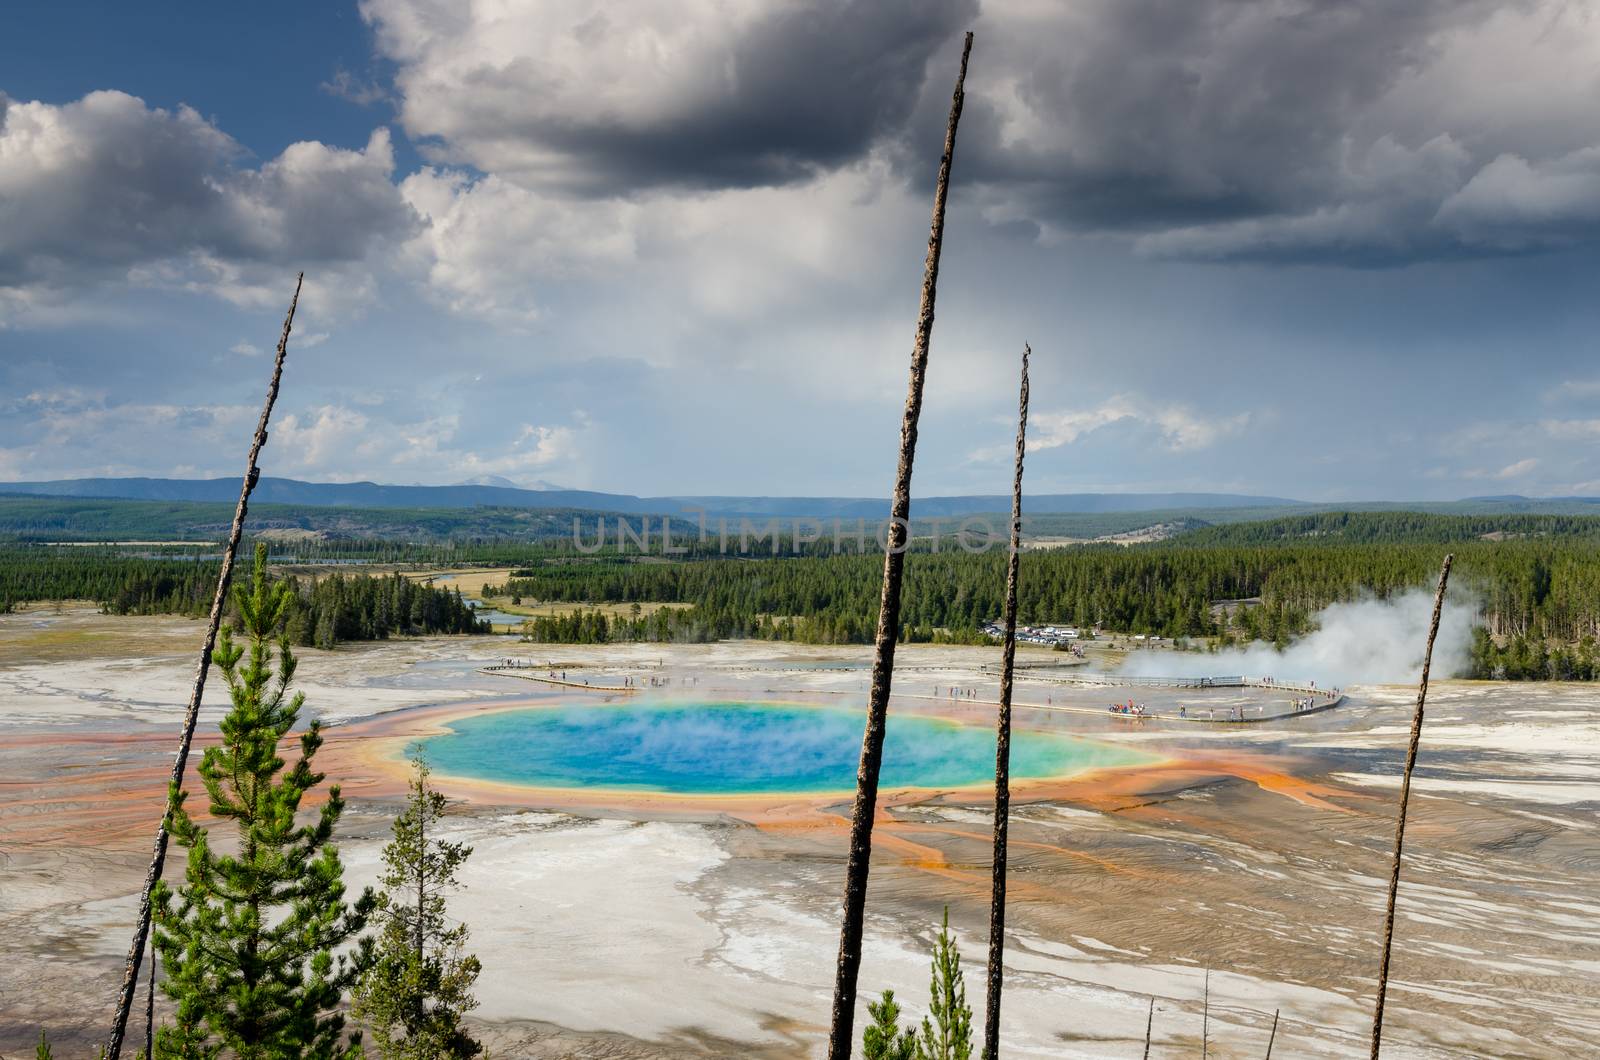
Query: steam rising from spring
{"points": [[1361, 642]]}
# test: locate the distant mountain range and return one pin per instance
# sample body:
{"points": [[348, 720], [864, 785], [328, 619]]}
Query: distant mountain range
{"points": [[149, 509], [490, 493], [476, 494]]}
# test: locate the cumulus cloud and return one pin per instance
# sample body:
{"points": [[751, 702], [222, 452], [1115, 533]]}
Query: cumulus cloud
{"points": [[339, 442], [72, 431], [486, 242], [1518, 469], [1178, 427], [105, 181], [1515, 204], [107, 188], [712, 261], [535, 448], [1554, 456]]}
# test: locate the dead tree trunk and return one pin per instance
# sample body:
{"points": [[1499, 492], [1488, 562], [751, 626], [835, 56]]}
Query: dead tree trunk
{"points": [[1149, 1025], [1002, 741], [861, 819], [150, 1009], [158, 856], [1274, 1035], [1205, 1018], [422, 867], [1405, 798]]}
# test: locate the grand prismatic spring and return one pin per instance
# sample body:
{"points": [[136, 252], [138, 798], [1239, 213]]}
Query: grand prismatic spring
{"points": [[722, 748]]}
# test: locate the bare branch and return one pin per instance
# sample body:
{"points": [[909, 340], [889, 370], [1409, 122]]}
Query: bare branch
{"points": [[861, 818], [1002, 742], [1405, 798], [158, 856]]}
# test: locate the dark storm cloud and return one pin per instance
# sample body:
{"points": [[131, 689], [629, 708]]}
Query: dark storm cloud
{"points": [[605, 98], [815, 89], [1145, 113], [1347, 131]]}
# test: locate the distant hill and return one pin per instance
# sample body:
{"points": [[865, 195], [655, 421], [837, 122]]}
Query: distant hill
{"points": [[471, 495], [72, 517], [37, 518], [119, 507]]}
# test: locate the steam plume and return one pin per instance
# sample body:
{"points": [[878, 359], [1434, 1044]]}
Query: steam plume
{"points": [[1361, 642]]}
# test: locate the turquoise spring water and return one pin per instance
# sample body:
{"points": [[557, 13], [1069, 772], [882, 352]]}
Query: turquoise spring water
{"points": [[740, 749]]}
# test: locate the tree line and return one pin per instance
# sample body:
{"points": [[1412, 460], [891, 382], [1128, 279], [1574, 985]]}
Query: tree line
{"points": [[1534, 579], [700, 625], [1160, 589], [321, 611], [1538, 596]]}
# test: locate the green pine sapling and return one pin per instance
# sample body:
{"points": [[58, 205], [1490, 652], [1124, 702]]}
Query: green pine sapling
{"points": [[415, 994], [260, 947]]}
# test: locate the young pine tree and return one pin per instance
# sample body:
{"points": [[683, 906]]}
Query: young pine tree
{"points": [[415, 994], [948, 1034], [249, 943], [883, 1039]]}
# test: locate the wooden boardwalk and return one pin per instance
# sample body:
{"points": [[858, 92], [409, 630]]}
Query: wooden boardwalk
{"points": [[533, 673], [1318, 699], [1205, 715]]}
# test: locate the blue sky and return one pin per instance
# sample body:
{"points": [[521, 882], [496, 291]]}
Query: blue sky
{"points": [[1328, 251], [257, 71]]}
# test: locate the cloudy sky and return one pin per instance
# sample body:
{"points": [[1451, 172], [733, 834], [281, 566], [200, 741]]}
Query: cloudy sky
{"points": [[1327, 249]]}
